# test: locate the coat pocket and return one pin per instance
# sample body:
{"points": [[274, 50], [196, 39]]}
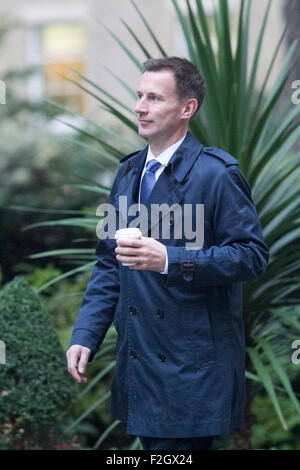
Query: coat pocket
{"points": [[201, 344]]}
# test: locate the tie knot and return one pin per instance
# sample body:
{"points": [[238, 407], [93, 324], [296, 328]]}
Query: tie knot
{"points": [[153, 165]]}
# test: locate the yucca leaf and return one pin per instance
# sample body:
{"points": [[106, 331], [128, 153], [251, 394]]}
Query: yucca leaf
{"points": [[253, 74], [136, 444], [104, 435], [186, 32], [87, 412], [288, 318], [206, 62], [128, 88], [241, 57], [206, 33], [139, 43], [116, 154], [279, 137], [149, 29], [268, 384], [101, 90], [281, 243], [99, 128], [131, 56], [85, 267], [225, 52], [275, 223], [44, 211], [251, 376], [268, 74], [73, 222], [63, 251], [105, 349], [100, 163], [280, 372], [272, 100], [94, 189], [108, 107], [98, 377]]}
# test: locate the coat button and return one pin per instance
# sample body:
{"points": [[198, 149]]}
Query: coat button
{"points": [[132, 310], [133, 354], [161, 357], [160, 313]]}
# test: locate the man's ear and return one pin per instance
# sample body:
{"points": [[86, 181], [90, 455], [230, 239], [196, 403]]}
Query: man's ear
{"points": [[189, 109]]}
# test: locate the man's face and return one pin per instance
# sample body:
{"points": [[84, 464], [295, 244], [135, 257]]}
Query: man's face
{"points": [[158, 106]]}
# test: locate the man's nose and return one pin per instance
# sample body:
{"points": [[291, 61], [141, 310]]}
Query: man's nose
{"points": [[141, 107]]}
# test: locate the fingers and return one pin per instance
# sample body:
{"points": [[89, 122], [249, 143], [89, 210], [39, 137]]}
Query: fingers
{"points": [[147, 254], [128, 259], [134, 242], [83, 361], [126, 251], [126, 254], [74, 354], [72, 366]]}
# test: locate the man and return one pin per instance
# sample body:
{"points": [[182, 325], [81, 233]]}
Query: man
{"points": [[180, 369]]}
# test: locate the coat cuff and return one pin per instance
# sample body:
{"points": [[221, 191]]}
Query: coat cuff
{"points": [[86, 338], [181, 266]]}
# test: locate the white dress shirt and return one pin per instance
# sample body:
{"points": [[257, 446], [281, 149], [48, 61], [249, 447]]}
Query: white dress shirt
{"points": [[163, 158]]}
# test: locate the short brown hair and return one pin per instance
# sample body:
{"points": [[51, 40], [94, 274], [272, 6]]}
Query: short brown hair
{"points": [[188, 79]]}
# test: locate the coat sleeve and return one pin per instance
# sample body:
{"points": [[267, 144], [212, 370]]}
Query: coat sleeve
{"points": [[239, 252], [102, 293]]}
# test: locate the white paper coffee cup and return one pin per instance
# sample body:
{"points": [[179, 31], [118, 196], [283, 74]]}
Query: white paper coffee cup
{"points": [[128, 234]]}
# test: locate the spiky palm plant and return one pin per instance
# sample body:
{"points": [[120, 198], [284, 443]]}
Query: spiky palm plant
{"points": [[248, 122]]}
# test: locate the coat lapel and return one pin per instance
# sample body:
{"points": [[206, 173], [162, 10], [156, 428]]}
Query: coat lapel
{"points": [[167, 189], [128, 187]]}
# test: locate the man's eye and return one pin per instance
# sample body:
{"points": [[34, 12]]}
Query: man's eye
{"points": [[154, 98]]}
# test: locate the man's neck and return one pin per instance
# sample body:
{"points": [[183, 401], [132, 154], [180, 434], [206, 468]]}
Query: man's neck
{"points": [[157, 147]]}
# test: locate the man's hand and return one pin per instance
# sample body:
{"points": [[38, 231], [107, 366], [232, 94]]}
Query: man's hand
{"points": [[146, 252], [74, 354]]}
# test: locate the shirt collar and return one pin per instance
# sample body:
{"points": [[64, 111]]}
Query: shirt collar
{"points": [[165, 156]]}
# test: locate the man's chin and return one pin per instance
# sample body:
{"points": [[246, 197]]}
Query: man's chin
{"points": [[144, 132]]}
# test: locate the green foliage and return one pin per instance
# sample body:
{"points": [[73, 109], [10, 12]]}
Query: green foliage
{"points": [[35, 385], [38, 276], [62, 300], [266, 432]]}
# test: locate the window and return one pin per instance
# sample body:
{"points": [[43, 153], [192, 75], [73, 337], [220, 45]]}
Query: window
{"points": [[62, 49]]}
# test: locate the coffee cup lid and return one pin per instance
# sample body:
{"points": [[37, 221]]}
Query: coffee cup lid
{"points": [[128, 232]]}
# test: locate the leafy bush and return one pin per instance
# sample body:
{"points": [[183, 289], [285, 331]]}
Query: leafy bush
{"points": [[35, 386]]}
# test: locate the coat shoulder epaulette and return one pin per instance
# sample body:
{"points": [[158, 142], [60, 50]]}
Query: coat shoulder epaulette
{"points": [[225, 157], [128, 156]]}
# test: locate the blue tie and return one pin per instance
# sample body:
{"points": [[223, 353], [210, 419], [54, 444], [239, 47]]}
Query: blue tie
{"points": [[148, 180]]}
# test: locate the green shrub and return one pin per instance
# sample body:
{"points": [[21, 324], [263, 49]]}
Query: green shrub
{"points": [[35, 387]]}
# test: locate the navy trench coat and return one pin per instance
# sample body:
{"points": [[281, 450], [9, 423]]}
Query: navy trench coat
{"points": [[180, 368]]}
